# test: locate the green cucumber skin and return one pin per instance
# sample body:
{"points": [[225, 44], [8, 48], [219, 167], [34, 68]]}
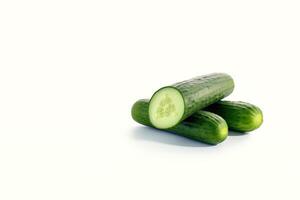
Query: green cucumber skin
{"points": [[240, 116], [202, 126], [202, 91]]}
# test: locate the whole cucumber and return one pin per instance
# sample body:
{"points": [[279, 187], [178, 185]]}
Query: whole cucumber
{"points": [[240, 116], [202, 126]]}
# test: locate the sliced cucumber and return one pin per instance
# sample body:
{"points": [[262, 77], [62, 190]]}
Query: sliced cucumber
{"points": [[172, 104]]}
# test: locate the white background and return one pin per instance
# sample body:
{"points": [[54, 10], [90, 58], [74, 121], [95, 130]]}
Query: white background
{"points": [[70, 71]]}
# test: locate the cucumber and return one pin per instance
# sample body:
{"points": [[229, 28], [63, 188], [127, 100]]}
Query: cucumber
{"points": [[202, 126], [172, 104], [240, 116]]}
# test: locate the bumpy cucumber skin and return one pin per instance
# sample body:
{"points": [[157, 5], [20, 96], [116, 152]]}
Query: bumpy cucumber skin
{"points": [[240, 116], [202, 126], [202, 91]]}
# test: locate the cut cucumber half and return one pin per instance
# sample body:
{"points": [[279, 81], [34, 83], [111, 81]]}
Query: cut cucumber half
{"points": [[172, 104], [166, 107]]}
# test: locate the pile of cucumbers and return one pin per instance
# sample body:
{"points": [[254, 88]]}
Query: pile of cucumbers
{"points": [[193, 108]]}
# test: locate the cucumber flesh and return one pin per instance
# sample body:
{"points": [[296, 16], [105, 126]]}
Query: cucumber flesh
{"points": [[172, 104], [167, 108]]}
